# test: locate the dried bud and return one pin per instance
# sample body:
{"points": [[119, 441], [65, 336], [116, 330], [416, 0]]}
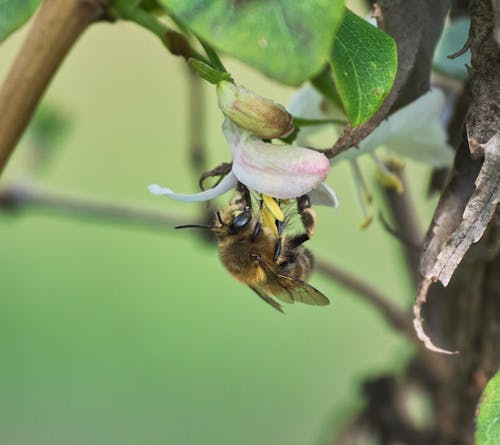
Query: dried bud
{"points": [[252, 112]]}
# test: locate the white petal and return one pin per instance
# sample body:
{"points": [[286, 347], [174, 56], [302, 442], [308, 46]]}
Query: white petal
{"points": [[307, 103], [281, 171], [225, 185], [424, 138], [324, 195], [414, 131], [429, 146]]}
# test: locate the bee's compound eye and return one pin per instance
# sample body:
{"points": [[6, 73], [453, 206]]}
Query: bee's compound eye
{"points": [[241, 220]]}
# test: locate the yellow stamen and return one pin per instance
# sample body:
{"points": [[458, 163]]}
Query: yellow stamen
{"points": [[268, 220], [368, 220], [387, 178], [396, 163], [273, 207]]}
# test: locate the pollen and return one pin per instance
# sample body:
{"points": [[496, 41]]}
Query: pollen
{"points": [[273, 207]]}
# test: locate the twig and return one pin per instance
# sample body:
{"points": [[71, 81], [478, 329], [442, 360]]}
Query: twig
{"points": [[397, 318], [57, 26], [17, 197], [399, 235], [461, 51]]}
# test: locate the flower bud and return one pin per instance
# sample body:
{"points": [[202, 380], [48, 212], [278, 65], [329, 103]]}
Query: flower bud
{"points": [[252, 112]]}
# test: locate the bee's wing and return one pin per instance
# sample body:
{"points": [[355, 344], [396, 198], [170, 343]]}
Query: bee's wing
{"points": [[303, 293], [293, 289], [267, 298]]}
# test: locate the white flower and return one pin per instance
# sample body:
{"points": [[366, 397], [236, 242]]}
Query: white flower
{"points": [[280, 171], [413, 131]]}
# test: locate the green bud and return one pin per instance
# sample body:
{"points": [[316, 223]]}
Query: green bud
{"points": [[252, 112]]}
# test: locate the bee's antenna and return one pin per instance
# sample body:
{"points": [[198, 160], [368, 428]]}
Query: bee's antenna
{"points": [[197, 226]]}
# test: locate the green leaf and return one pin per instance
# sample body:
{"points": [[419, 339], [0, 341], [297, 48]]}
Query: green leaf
{"points": [[14, 14], [488, 420], [287, 40], [323, 82], [364, 65]]}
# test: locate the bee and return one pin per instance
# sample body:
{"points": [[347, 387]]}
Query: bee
{"points": [[273, 264]]}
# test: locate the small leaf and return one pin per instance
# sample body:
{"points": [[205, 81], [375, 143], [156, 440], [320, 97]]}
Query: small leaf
{"points": [[208, 73], [14, 14], [364, 65], [288, 41], [488, 420]]}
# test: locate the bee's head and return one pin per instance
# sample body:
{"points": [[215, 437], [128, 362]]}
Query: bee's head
{"points": [[239, 220]]}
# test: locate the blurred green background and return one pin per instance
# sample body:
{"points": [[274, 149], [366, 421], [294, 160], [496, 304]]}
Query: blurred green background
{"points": [[114, 334]]}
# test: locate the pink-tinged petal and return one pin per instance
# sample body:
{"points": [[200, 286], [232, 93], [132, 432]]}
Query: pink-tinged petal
{"points": [[324, 195], [281, 171], [228, 183]]}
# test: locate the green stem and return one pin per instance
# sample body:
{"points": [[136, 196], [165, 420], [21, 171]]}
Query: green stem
{"points": [[302, 122], [146, 20], [175, 42]]}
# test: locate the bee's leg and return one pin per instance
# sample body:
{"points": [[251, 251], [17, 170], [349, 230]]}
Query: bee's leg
{"points": [[245, 193], [307, 214], [258, 224], [308, 218], [242, 199], [256, 230], [277, 249]]}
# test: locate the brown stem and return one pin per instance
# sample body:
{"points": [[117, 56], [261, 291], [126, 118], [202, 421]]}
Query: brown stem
{"points": [[415, 25], [17, 197], [396, 317], [57, 26], [407, 221]]}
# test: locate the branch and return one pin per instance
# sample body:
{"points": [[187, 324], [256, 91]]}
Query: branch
{"points": [[416, 26], [17, 197], [406, 220], [483, 118], [175, 42], [397, 318], [57, 26]]}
